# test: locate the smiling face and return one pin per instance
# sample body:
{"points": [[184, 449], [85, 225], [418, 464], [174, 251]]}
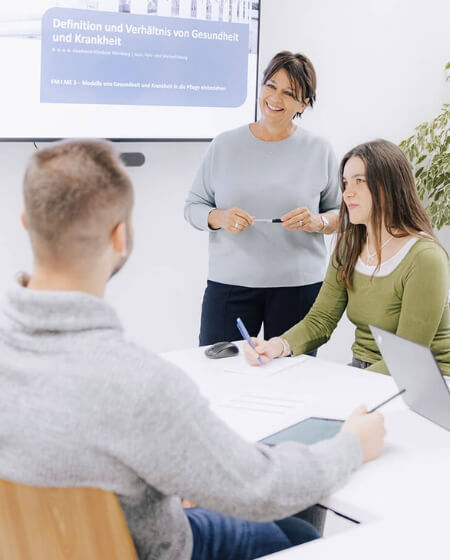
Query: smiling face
{"points": [[356, 195], [278, 102]]}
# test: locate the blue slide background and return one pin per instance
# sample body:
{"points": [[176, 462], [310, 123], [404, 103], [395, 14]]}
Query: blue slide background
{"points": [[129, 71]]}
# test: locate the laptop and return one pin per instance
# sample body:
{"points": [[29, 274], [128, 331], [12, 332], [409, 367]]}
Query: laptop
{"points": [[414, 369]]}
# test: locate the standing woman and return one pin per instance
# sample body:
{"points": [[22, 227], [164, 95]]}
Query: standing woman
{"points": [[266, 273], [388, 269]]}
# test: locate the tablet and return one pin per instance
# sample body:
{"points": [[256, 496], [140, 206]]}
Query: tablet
{"points": [[307, 431]]}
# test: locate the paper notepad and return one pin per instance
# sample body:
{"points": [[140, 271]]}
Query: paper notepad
{"points": [[273, 367], [271, 404], [254, 415]]}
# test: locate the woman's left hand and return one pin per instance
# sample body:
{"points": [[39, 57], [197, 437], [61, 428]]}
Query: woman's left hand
{"points": [[302, 219], [267, 350]]}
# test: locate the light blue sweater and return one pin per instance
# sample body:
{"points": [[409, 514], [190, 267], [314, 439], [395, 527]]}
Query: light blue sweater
{"points": [[266, 179], [80, 406]]}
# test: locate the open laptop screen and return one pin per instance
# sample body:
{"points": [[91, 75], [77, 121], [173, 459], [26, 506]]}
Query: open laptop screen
{"points": [[414, 369]]}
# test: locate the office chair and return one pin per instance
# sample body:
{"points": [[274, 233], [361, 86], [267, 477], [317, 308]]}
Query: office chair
{"points": [[62, 524]]}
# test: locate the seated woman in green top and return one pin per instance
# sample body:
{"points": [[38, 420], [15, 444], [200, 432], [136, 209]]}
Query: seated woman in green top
{"points": [[387, 270]]}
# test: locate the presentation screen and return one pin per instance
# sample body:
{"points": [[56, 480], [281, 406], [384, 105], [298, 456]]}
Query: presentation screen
{"points": [[127, 69]]}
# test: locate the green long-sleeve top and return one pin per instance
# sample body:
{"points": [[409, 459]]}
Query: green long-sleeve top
{"points": [[411, 301]]}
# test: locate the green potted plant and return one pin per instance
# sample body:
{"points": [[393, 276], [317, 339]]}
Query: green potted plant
{"points": [[428, 151]]}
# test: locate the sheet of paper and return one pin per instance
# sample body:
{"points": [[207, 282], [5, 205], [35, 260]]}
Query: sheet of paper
{"points": [[255, 415], [273, 367], [270, 404]]}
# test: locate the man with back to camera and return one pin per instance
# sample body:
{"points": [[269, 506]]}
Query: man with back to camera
{"points": [[83, 407]]}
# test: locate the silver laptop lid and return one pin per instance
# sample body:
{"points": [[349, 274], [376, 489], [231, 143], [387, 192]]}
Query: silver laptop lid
{"points": [[414, 369]]}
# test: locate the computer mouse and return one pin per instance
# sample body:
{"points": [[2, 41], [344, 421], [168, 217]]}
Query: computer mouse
{"points": [[221, 350]]}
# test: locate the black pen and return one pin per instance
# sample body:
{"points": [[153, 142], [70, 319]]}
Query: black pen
{"points": [[269, 220], [387, 400]]}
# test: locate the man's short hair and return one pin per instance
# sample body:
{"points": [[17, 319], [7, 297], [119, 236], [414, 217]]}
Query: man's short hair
{"points": [[75, 193]]}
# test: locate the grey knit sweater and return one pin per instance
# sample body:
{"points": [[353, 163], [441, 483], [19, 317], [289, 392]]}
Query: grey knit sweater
{"points": [[80, 406], [267, 180]]}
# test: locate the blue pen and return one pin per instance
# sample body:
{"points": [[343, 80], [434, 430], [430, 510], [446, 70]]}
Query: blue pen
{"points": [[244, 332]]}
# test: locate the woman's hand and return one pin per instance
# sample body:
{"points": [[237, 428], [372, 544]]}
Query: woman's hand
{"points": [[234, 220], [302, 219], [267, 350]]}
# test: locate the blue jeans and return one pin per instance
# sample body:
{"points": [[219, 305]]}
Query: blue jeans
{"points": [[278, 308], [222, 537]]}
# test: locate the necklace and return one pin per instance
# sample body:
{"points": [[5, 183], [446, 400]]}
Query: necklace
{"points": [[370, 256]]}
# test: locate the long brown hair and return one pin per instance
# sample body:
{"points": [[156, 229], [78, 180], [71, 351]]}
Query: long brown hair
{"points": [[394, 202]]}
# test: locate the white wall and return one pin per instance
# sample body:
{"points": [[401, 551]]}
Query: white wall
{"points": [[380, 63], [380, 69], [158, 293]]}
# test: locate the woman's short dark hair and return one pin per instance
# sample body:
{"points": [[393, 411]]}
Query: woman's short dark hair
{"points": [[301, 74]]}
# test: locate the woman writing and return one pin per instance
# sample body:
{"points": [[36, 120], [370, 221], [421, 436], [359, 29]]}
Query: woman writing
{"points": [[387, 270], [261, 271]]}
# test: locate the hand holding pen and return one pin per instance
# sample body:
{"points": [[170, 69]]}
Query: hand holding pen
{"points": [[244, 332], [369, 429], [267, 350], [256, 351], [302, 219], [234, 220]]}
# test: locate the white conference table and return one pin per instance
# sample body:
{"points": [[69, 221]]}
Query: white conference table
{"points": [[402, 499]]}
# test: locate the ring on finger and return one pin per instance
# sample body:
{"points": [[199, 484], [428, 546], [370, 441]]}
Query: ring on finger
{"points": [[300, 223], [236, 225]]}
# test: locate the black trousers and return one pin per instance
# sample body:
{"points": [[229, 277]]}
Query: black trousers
{"points": [[277, 308]]}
